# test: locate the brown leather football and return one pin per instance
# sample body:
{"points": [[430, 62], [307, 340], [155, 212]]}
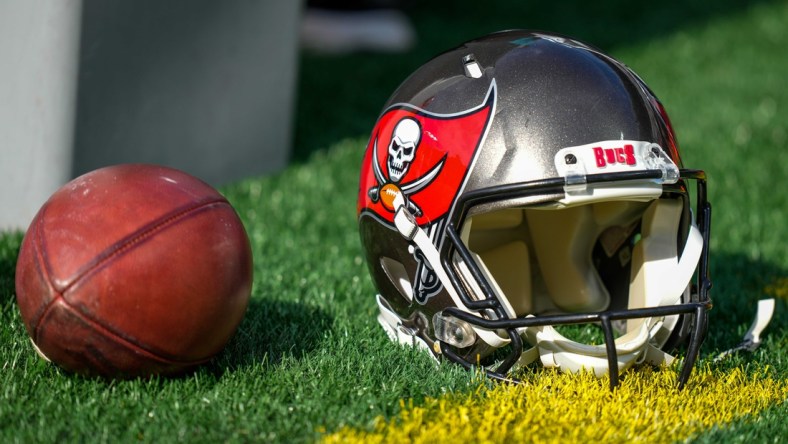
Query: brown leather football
{"points": [[133, 270]]}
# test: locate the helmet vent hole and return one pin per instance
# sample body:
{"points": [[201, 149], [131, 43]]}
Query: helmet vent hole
{"points": [[471, 66]]}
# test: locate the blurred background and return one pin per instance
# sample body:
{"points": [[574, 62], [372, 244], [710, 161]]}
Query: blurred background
{"points": [[232, 89], [343, 93]]}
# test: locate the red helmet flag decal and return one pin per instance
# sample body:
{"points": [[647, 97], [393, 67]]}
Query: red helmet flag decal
{"points": [[424, 155]]}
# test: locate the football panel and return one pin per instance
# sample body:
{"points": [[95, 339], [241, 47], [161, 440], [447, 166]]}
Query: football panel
{"points": [[179, 293]]}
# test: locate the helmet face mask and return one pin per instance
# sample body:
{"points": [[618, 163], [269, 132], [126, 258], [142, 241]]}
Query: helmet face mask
{"points": [[523, 182]]}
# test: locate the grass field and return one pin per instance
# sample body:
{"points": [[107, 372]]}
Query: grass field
{"points": [[309, 361]]}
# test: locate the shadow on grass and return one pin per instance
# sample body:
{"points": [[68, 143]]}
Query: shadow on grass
{"points": [[272, 330]]}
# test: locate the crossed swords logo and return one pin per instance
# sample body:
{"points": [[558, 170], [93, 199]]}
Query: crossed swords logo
{"points": [[387, 189], [401, 153]]}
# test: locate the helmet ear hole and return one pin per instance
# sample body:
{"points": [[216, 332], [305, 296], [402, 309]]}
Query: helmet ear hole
{"points": [[398, 276]]}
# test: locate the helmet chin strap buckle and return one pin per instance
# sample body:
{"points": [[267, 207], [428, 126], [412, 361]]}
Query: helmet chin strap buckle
{"points": [[398, 329]]}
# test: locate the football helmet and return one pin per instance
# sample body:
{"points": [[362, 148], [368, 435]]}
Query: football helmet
{"points": [[524, 182]]}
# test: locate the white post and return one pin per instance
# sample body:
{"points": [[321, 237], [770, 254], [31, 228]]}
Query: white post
{"points": [[39, 46]]}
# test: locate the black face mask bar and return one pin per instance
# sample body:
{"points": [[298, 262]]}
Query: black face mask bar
{"points": [[695, 309]]}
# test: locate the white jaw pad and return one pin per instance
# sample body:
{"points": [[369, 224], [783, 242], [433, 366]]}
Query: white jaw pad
{"points": [[659, 277]]}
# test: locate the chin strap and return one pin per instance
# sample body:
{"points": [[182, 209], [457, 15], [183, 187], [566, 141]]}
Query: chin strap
{"points": [[752, 339]]}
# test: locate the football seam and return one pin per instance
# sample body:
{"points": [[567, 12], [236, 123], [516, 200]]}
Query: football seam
{"points": [[40, 265], [109, 254], [111, 335], [124, 244]]}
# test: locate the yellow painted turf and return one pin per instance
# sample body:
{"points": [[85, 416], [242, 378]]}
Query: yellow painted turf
{"points": [[552, 407]]}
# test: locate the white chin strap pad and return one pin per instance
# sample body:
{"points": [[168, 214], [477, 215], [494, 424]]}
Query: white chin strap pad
{"points": [[557, 351]]}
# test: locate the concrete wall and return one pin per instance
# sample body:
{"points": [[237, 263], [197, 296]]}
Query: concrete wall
{"points": [[39, 44], [206, 86]]}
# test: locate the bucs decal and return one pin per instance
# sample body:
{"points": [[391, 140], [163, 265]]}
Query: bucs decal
{"points": [[622, 155], [425, 157]]}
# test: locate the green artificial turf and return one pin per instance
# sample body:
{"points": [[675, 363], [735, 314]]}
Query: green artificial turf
{"points": [[309, 356]]}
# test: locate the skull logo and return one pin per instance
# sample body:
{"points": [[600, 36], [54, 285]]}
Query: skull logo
{"points": [[402, 148]]}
